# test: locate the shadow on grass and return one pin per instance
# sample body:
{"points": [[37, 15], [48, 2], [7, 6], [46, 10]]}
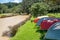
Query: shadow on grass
{"points": [[42, 32]]}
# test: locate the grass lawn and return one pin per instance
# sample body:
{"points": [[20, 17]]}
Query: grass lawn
{"points": [[57, 15], [27, 32]]}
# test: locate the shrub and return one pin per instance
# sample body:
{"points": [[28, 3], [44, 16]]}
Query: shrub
{"points": [[38, 9]]}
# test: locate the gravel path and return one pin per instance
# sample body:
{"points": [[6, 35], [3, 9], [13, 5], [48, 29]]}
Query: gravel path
{"points": [[10, 21]]}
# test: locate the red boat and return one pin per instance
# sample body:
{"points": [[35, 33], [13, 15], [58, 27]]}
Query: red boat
{"points": [[36, 20], [47, 23]]}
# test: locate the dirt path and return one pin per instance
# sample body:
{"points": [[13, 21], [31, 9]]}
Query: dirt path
{"points": [[10, 21], [4, 38]]}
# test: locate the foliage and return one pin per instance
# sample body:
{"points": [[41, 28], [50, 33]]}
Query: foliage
{"points": [[10, 8], [26, 4], [39, 9], [11, 4], [16, 9], [3, 8], [53, 1], [54, 6]]}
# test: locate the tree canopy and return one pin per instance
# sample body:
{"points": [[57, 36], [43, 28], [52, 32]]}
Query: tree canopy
{"points": [[25, 5]]}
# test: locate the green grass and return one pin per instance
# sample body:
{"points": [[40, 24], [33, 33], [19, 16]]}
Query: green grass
{"points": [[57, 15], [27, 32]]}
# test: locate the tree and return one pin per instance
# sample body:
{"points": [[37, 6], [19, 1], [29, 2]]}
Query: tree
{"points": [[11, 4], [17, 9], [26, 4], [10, 8], [3, 8], [39, 9], [54, 5]]}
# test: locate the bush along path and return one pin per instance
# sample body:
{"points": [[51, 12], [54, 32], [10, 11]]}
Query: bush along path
{"points": [[27, 32]]}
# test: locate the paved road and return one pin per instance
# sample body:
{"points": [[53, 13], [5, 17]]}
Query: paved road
{"points": [[10, 21]]}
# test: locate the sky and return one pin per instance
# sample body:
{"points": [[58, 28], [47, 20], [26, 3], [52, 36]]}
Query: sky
{"points": [[6, 1]]}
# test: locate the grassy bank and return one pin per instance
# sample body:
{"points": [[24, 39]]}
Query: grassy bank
{"points": [[27, 32], [57, 15], [3, 15]]}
